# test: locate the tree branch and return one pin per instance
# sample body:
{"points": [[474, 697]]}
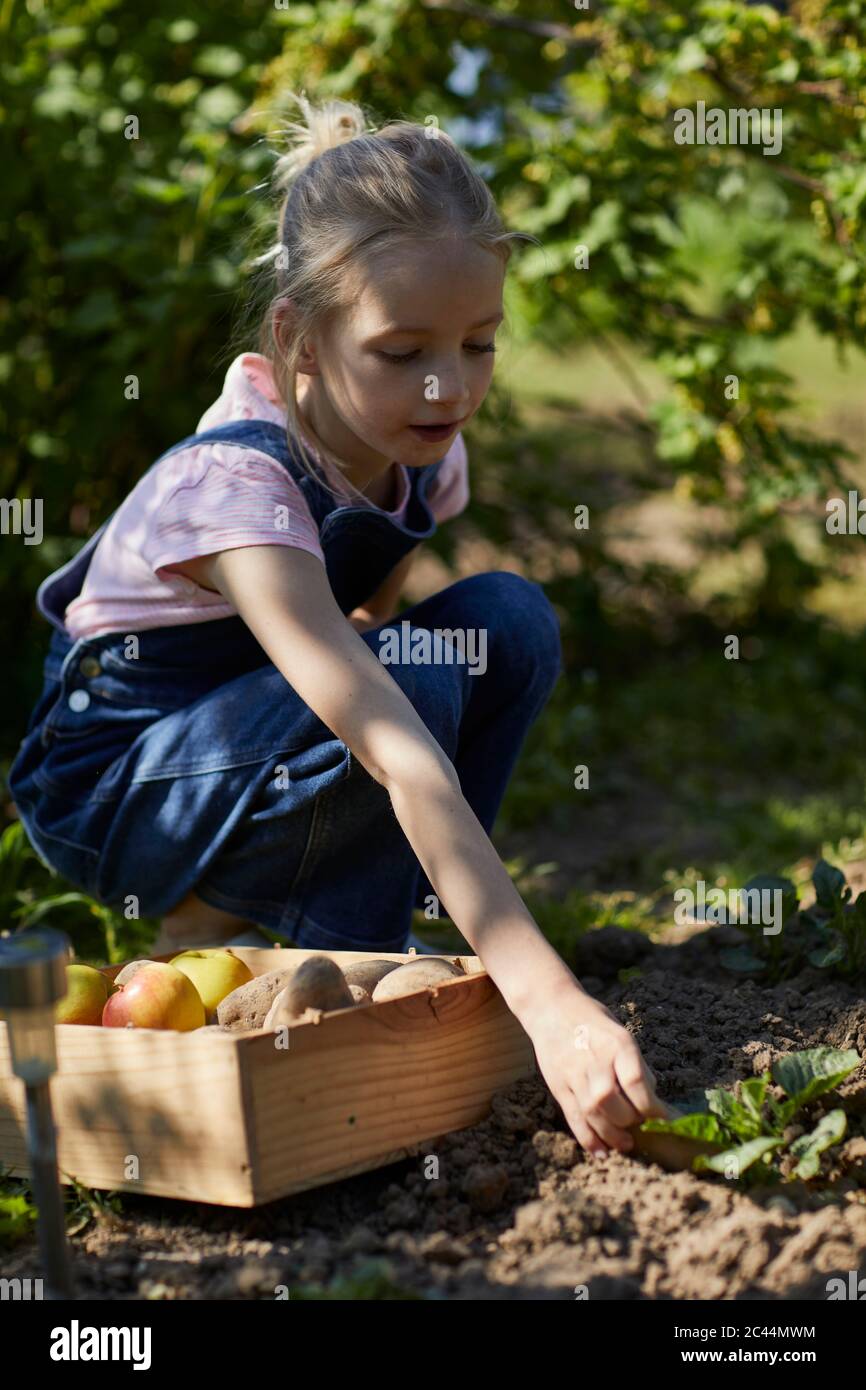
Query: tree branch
{"points": [[832, 90], [541, 28]]}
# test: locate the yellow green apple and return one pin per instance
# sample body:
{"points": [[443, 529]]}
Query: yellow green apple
{"points": [[157, 996], [215, 973], [86, 992]]}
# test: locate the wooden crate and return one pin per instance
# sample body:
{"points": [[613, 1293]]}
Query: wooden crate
{"points": [[231, 1119]]}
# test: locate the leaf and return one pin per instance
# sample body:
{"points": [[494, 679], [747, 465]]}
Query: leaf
{"points": [[17, 1218], [691, 55], [753, 1093], [786, 71], [546, 260], [751, 908], [14, 845], [571, 190], [744, 1156], [160, 190], [829, 883], [97, 246], [809, 1147], [41, 909], [694, 1126], [769, 882], [218, 60], [735, 1116], [220, 105], [805, 1075], [829, 954], [603, 225], [96, 313], [741, 959]]}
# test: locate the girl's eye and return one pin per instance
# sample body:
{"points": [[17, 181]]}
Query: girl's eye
{"points": [[408, 356]]}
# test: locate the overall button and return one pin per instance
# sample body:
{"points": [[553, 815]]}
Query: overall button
{"points": [[78, 701], [89, 666]]}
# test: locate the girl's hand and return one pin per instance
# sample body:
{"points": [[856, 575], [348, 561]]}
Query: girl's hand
{"points": [[594, 1069]]}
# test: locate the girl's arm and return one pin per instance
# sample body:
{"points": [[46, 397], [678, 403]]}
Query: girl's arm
{"points": [[592, 1064], [383, 604]]}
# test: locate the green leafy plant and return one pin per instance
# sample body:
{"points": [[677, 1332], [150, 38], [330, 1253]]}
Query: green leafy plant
{"points": [[837, 925], [31, 893], [17, 1211], [371, 1281], [753, 1127], [830, 935], [82, 1205], [763, 951]]}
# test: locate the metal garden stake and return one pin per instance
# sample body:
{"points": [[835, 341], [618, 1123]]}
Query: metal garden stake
{"points": [[32, 979]]}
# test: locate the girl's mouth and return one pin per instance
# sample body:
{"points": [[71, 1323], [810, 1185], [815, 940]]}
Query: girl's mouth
{"points": [[435, 432]]}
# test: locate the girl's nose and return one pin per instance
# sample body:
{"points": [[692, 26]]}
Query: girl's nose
{"points": [[449, 388]]}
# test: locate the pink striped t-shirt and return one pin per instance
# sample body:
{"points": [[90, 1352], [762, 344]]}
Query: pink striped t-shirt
{"points": [[211, 497]]}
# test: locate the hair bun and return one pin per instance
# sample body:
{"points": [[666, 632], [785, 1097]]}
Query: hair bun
{"points": [[324, 125]]}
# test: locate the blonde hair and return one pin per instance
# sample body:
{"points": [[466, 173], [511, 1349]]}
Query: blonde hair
{"points": [[350, 191]]}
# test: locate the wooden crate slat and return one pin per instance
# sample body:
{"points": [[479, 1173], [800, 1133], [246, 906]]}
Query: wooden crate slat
{"points": [[174, 1100]]}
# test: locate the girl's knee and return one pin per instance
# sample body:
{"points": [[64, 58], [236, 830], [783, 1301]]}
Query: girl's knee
{"points": [[527, 622]]}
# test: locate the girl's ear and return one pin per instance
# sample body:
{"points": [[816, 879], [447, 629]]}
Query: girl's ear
{"points": [[283, 323], [284, 329]]}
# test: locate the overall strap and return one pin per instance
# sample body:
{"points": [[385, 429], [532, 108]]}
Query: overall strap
{"points": [[262, 435], [57, 591]]}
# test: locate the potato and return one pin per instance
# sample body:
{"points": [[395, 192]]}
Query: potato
{"points": [[423, 973], [368, 973], [316, 984], [360, 995], [247, 1006], [125, 975]]}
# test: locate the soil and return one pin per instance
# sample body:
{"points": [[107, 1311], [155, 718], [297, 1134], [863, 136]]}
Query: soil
{"points": [[518, 1210]]}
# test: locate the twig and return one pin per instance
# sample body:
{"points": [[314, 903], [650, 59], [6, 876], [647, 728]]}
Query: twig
{"points": [[679, 311], [539, 27], [832, 91], [816, 186]]}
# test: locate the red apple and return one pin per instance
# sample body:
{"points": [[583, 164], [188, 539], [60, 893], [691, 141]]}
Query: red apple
{"points": [[157, 996]]}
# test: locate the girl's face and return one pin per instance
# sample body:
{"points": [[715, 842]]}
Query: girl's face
{"points": [[414, 348]]}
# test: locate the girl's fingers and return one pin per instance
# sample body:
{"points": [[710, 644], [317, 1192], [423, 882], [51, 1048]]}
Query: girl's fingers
{"points": [[609, 1101], [580, 1126], [588, 1139], [638, 1084], [614, 1136]]}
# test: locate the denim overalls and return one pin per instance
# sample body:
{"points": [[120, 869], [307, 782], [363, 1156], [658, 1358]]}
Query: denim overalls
{"points": [[186, 760]]}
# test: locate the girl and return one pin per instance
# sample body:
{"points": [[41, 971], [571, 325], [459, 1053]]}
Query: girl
{"points": [[215, 740]]}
